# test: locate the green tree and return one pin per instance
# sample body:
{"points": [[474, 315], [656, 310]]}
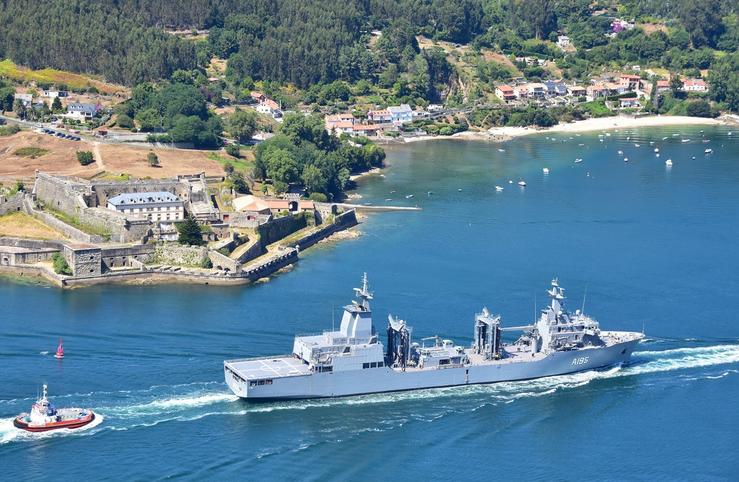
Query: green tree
{"points": [[7, 95], [190, 232], [123, 121], [699, 108], [152, 159], [242, 125], [56, 105], [85, 157], [60, 265]]}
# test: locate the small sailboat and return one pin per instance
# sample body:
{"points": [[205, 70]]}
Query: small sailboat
{"points": [[668, 163], [578, 160], [60, 349], [626, 159], [459, 190], [656, 149], [637, 145], [684, 140], [522, 183], [620, 153], [501, 150], [708, 151], [545, 170], [409, 196], [510, 181], [498, 188]]}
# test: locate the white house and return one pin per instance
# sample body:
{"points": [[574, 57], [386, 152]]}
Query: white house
{"points": [[26, 99], [563, 42], [401, 114], [695, 85], [270, 107], [152, 206], [82, 112]]}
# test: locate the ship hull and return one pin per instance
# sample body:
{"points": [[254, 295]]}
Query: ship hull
{"points": [[381, 380], [20, 423]]}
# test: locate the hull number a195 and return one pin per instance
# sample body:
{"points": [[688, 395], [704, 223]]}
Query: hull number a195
{"points": [[580, 360]]}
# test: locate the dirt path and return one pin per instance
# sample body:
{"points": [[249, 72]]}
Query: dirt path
{"points": [[98, 156]]}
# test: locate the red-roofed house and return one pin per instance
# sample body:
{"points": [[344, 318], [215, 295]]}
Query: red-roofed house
{"points": [[630, 82], [380, 116], [505, 92], [269, 107], [258, 96], [340, 122], [695, 85]]}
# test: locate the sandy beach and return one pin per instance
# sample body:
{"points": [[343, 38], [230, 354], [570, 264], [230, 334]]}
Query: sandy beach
{"points": [[500, 134]]}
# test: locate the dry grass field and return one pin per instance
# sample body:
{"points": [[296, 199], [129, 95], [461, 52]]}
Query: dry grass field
{"points": [[21, 225], [112, 159]]}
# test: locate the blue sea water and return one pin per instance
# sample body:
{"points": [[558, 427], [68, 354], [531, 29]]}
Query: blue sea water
{"points": [[654, 249]]}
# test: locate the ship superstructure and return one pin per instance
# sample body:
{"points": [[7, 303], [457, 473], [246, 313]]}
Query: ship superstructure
{"points": [[352, 360]]}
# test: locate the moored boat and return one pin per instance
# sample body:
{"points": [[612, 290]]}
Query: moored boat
{"points": [[45, 416]]}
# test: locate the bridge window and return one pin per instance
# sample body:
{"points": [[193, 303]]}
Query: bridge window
{"points": [[365, 365], [444, 361]]}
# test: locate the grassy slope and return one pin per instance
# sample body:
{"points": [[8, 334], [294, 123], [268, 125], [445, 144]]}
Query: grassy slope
{"points": [[17, 73]]}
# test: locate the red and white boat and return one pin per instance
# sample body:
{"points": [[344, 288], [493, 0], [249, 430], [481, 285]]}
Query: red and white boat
{"points": [[45, 416]]}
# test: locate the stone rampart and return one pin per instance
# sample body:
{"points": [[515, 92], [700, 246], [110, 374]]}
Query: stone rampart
{"points": [[280, 228], [67, 230], [9, 204], [129, 256], [85, 261], [63, 194], [223, 263], [343, 221], [180, 255]]}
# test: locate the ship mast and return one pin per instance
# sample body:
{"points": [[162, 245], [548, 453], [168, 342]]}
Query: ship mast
{"points": [[363, 294]]}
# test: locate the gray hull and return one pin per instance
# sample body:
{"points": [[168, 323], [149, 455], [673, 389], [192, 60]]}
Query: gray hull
{"points": [[385, 379]]}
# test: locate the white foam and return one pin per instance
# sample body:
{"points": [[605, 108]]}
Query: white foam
{"points": [[9, 433]]}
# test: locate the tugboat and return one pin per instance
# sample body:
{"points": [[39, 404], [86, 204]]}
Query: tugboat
{"points": [[45, 416]]}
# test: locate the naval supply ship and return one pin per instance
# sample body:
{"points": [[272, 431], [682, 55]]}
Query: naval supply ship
{"points": [[352, 360]]}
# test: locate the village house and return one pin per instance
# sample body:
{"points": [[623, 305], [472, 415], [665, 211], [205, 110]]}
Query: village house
{"points": [[53, 94], [661, 87], [367, 130], [537, 90], [381, 116], [270, 107], [258, 205], [26, 99], [401, 114], [339, 121], [152, 206], [505, 93], [82, 112], [555, 88], [630, 82], [576, 90], [563, 42], [258, 96], [596, 91], [629, 103], [695, 85]]}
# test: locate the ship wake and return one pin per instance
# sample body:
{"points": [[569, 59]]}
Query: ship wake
{"points": [[127, 410]]}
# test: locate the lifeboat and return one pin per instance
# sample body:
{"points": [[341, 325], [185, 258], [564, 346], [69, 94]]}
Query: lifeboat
{"points": [[45, 417]]}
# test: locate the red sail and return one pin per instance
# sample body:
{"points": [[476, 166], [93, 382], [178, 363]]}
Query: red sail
{"points": [[60, 350]]}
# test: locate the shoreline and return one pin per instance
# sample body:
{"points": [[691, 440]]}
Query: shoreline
{"points": [[503, 134]]}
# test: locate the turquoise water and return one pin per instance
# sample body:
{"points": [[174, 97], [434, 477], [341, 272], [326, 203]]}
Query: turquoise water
{"points": [[653, 248]]}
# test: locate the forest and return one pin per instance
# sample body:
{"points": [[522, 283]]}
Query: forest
{"points": [[362, 42], [305, 154]]}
